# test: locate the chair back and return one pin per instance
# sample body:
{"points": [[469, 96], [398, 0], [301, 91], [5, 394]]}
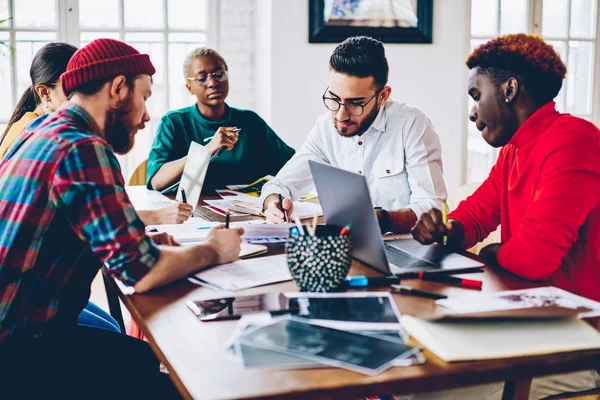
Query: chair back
{"points": [[139, 175]]}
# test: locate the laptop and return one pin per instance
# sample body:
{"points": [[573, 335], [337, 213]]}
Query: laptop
{"points": [[345, 200], [194, 172]]}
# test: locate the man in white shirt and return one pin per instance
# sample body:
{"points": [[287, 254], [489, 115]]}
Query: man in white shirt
{"points": [[393, 145]]}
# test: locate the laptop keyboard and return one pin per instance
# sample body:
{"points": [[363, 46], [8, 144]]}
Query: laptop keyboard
{"points": [[403, 260]]}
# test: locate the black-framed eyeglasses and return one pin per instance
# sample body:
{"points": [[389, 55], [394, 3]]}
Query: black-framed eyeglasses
{"points": [[353, 109], [219, 76]]}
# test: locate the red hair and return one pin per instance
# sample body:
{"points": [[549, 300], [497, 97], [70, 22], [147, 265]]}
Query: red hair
{"points": [[533, 62]]}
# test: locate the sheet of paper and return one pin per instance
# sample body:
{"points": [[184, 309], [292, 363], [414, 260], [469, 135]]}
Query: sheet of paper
{"points": [[244, 274], [307, 210], [519, 299]]}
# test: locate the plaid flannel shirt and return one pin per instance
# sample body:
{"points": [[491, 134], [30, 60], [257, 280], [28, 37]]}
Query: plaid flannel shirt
{"points": [[62, 195]]}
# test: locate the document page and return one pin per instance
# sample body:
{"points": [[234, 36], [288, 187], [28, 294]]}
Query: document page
{"points": [[244, 274]]}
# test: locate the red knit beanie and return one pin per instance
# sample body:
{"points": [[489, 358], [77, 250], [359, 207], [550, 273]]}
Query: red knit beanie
{"points": [[101, 60]]}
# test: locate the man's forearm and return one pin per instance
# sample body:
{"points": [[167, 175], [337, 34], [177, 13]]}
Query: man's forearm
{"points": [[168, 174], [402, 220], [175, 263]]}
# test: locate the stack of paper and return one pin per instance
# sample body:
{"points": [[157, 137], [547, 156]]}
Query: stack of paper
{"points": [[331, 329]]}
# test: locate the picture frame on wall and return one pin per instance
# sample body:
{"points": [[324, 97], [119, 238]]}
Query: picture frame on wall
{"points": [[391, 21]]}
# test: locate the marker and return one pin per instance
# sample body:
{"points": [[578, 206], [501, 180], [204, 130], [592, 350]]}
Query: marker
{"points": [[445, 219], [416, 292], [298, 224], [363, 281], [183, 197], [468, 283], [227, 217], [281, 207], [345, 230]]}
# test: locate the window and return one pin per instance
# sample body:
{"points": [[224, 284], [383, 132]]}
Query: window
{"points": [[165, 29], [569, 26]]}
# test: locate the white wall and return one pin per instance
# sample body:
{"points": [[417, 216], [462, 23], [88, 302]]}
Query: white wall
{"points": [[431, 77], [235, 42]]}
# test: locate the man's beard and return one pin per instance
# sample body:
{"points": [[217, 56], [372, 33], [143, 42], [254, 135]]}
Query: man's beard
{"points": [[362, 128], [120, 128]]}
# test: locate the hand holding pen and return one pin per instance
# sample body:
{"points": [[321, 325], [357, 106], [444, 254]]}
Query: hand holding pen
{"points": [[434, 226], [278, 209], [223, 139]]}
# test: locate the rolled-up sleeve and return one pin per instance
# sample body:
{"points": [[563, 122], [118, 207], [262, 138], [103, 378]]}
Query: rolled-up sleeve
{"points": [[90, 189], [423, 158], [294, 179]]}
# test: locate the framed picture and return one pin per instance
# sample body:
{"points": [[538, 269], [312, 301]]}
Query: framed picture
{"points": [[391, 21]]}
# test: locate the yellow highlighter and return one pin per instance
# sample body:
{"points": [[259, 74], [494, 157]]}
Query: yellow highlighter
{"points": [[445, 219]]}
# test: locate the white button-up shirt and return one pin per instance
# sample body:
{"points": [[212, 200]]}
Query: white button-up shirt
{"points": [[399, 155]]}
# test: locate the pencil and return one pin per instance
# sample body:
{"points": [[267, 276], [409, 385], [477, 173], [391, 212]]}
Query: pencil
{"points": [[227, 217], [445, 219]]}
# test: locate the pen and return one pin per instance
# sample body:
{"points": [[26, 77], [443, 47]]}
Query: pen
{"points": [[281, 208], [208, 139], [363, 281], [220, 149], [445, 219], [227, 216], [416, 292], [183, 197], [468, 283]]}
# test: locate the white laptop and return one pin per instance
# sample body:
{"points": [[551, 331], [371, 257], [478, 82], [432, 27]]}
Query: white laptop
{"points": [[194, 172]]}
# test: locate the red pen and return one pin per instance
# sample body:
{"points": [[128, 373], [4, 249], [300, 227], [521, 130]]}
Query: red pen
{"points": [[468, 283], [217, 209]]}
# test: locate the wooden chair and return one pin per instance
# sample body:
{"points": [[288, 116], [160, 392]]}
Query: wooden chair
{"points": [[461, 194], [139, 175]]}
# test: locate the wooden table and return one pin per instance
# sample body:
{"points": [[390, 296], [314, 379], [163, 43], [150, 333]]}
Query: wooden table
{"points": [[194, 351]]}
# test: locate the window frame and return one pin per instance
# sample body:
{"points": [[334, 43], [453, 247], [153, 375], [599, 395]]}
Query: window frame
{"points": [[534, 26], [68, 29]]}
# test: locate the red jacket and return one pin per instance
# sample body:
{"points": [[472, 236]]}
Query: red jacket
{"points": [[545, 191]]}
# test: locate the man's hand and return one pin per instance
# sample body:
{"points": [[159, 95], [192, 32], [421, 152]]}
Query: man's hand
{"points": [[224, 137], [430, 228], [163, 239], [226, 243], [489, 253], [176, 213], [273, 212]]}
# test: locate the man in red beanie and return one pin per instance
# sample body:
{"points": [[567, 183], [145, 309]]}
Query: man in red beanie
{"points": [[64, 213]]}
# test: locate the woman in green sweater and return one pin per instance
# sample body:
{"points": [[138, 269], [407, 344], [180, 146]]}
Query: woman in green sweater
{"points": [[253, 150]]}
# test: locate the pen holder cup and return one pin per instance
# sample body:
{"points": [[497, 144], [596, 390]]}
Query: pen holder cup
{"points": [[319, 263]]}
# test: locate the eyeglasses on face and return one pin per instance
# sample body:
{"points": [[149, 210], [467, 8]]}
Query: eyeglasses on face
{"points": [[352, 108], [219, 76]]}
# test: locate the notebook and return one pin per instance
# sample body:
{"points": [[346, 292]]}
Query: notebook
{"points": [[483, 340], [251, 250]]}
